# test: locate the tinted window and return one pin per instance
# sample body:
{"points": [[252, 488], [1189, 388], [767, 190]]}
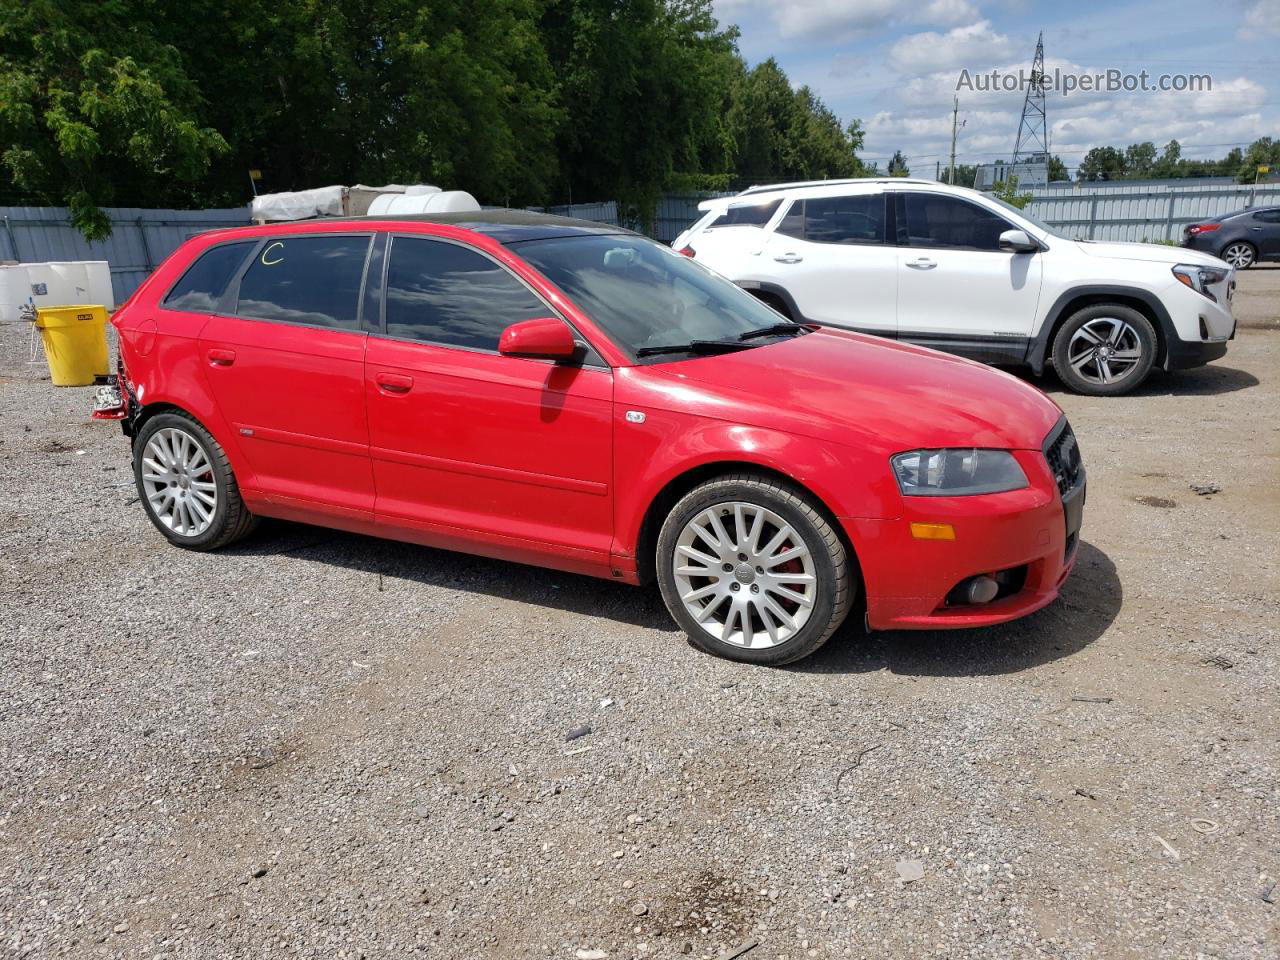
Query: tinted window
{"points": [[444, 293], [935, 220], [643, 294], [311, 280], [746, 215], [1268, 216], [857, 219], [205, 281]]}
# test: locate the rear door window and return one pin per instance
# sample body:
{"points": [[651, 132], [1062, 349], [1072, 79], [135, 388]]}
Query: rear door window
{"points": [[936, 220], [1268, 216], [443, 293], [746, 215], [201, 288], [857, 219], [313, 280]]}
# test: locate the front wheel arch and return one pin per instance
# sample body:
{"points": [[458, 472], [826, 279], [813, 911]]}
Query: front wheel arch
{"points": [[678, 486]]}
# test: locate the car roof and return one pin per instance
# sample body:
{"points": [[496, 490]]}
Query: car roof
{"points": [[780, 187], [504, 226]]}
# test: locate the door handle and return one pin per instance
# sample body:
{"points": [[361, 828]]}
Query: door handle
{"points": [[922, 263], [394, 382], [222, 358], [789, 258]]}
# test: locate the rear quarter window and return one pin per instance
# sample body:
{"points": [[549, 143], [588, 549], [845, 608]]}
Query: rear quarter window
{"points": [[746, 215], [201, 288]]}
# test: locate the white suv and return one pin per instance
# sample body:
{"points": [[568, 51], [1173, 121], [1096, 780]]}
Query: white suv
{"points": [[961, 271]]}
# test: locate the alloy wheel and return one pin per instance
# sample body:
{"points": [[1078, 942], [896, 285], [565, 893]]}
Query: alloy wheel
{"points": [[1239, 255], [1104, 350], [178, 481], [745, 575]]}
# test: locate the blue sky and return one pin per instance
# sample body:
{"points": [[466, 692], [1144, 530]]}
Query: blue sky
{"points": [[895, 66]]}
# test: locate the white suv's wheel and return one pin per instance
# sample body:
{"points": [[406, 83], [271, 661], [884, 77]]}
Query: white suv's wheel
{"points": [[1104, 350], [753, 571]]}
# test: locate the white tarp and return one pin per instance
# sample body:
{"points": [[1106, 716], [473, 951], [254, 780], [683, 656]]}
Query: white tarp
{"points": [[300, 205]]}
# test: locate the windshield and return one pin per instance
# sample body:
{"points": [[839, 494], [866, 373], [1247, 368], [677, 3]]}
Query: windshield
{"points": [[645, 295], [1034, 221]]}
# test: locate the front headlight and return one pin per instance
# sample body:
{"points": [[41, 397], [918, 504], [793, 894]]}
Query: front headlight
{"points": [[1199, 278], [956, 472]]}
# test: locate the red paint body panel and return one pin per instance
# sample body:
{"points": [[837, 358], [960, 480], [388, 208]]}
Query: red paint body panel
{"points": [[294, 398], [537, 462], [513, 449]]}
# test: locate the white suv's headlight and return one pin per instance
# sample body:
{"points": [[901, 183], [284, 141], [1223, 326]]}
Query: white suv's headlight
{"points": [[958, 472], [1200, 279]]}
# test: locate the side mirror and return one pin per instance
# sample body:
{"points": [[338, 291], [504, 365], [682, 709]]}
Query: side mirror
{"points": [[1017, 241], [547, 338]]}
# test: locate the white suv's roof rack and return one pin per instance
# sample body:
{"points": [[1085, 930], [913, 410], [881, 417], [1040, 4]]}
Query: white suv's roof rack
{"points": [[770, 187]]}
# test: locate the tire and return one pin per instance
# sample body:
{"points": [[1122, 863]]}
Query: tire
{"points": [[1240, 254], [178, 467], [754, 595], [1104, 350]]}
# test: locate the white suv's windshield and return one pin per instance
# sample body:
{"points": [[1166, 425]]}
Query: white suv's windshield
{"points": [[1034, 221], [646, 297]]}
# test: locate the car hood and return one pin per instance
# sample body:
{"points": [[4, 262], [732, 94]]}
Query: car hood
{"points": [[1147, 252], [852, 388]]}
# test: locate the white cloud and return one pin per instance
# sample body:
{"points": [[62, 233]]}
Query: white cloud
{"points": [[968, 46], [1262, 17], [948, 12], [833, 20]]}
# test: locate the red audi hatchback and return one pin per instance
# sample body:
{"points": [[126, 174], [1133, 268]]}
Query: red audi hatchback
{"points": [[573, 395]]}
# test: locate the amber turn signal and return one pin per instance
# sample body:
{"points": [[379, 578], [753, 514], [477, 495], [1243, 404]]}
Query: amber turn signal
{"points": [[933, 531]]}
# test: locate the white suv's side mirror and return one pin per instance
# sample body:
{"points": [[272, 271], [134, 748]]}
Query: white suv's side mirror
{"points": [[1017, 241]]}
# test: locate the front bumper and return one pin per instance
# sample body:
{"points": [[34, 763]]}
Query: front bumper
{"points": [[1033, 533], [1201, 327]]}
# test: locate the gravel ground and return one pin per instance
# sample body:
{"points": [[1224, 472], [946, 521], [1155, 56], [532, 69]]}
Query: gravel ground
{"points": [[322, 745]]}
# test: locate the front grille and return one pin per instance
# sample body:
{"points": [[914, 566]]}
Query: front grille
{"points": [[1063, 455]]}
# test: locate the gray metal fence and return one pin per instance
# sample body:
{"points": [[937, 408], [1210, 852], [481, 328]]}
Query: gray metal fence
{"points": [[139, 241], [1151, 214]]}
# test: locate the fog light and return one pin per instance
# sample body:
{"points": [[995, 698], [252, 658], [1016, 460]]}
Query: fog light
{"points": [[933, 531], [981, 590]]}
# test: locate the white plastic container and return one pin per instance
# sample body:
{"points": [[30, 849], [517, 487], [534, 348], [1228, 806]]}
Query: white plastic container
{"points": [[56, 284]]}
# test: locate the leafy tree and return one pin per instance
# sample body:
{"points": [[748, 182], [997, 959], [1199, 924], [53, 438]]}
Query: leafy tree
{"points": [[1167, 166], [1101, 163], [898, 165], [966, 174], [1057, 169], [1262, 152], [1139, 160], [1007, 190], [93, 99]]}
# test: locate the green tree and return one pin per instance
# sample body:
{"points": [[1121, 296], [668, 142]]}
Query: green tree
{"points": [[898, 165], [93, 101], [1007, 190], [1262, 152], [1101, 163], [1057, 169], [1170, 158], [965, 174], [1139, 160]]}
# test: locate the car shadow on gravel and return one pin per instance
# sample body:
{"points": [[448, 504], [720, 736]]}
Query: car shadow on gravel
{"points": [[1085, 608], [386, 560], [1087, 605], [1203, 381]]}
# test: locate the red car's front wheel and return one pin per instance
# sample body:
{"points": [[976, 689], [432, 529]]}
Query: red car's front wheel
{"points": [[753, 571]]}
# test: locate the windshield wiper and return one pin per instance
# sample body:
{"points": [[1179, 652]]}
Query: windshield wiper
{"points": [[695, 346], [774, 330]]}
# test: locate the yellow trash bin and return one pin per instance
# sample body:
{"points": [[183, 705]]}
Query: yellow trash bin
{"points": [[75, 343]]}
